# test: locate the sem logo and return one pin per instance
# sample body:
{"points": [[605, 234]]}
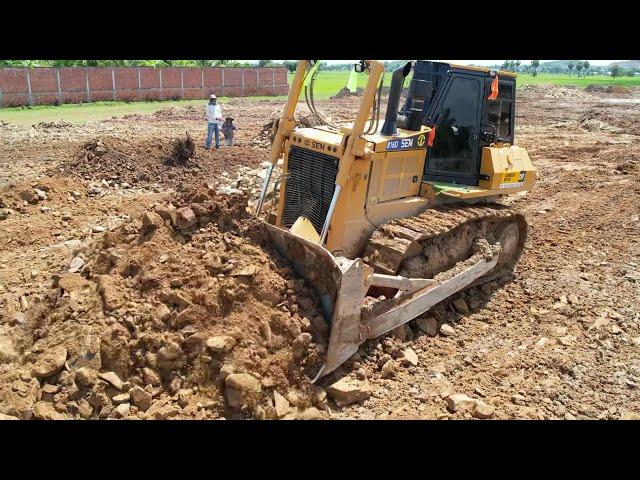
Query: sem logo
{"points": [[421, 140]]}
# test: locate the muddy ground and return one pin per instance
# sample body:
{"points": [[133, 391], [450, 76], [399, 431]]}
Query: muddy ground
{"points": [[133, 288]]}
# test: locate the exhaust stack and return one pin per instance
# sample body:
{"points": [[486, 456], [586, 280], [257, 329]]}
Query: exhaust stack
{"points": [[390, 126]]}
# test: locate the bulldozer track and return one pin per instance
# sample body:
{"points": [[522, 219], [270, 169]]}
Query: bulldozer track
{"points": [[434, 241]]}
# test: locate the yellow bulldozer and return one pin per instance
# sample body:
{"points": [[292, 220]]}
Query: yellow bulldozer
{"points": [[385, 219]]}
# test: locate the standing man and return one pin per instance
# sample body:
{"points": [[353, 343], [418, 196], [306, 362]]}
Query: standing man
{"points": [[214, 117]]}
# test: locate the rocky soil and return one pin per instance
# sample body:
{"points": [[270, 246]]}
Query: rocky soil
{"points": [[133, 288]]}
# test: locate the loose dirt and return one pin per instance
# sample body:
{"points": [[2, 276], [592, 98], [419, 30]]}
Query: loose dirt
{"points": [[130, 288]]}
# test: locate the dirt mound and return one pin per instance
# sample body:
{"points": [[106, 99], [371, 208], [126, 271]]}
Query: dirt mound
{"points": [[57, 124], [185, 112], [630, 165], [183, 151], [595, 125], [623, 119], [617, 90], [177, 314], [116, 160], [346, 93], [150, 163], [550, 91]]}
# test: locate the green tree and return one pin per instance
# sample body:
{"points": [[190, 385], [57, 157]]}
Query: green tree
{"points": [[291, 65], [615, 71], [586, 66], [571, 66], [578, 67], [264, 63], [535, 64]]}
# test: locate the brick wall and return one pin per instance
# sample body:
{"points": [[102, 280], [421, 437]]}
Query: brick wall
{"points": [[47, 86]]}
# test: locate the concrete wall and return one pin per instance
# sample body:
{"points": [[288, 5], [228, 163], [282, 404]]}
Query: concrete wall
{"points": [[47, 86]]}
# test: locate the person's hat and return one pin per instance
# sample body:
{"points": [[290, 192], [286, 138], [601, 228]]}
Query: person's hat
{"points": [[213, 95]]}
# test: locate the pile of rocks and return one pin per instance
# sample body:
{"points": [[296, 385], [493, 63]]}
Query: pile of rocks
{"points": [[175, 314]]}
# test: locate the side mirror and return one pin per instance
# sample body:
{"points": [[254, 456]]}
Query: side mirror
{"points": [[360, 67]]}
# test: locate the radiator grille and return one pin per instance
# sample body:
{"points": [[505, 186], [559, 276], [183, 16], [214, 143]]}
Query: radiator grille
{"points": [[310, 184]]}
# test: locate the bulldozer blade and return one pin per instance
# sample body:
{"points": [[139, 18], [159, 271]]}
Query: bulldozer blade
{"points": [[340, 284]]}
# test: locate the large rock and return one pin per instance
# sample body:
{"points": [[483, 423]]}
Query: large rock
{"points": [[86, 377], [170, 357], [151, 221], [482, 410], [447, 330], [311, 413], [112, 378], [121, 398], [220, 343], [140, 398], [111, 292], [114, 350], [281, 404], [151, 376], [7, 417], [76, 264], [348, 390], [242, 389], [50, 363], [299, 346], [428, 325], [630, 416], [29, 196], [85, 409], [409, 357], [185, 218], [122, 410], [461, 306], [7, 352], [460, 401], [389, 369], [45, 411]]}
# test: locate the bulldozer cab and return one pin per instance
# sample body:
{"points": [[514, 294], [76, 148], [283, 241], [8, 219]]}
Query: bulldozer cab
{"points": [[466, 116]]}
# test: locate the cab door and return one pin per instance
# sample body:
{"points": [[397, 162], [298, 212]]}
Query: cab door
{"points": [[454, 156]]}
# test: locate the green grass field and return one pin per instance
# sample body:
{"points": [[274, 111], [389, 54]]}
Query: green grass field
{"points": [[88, 112], [581, 82], [327, 84]]}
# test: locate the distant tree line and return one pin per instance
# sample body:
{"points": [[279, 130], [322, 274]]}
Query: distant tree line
{"points": [[289, 64], [579, 67]]}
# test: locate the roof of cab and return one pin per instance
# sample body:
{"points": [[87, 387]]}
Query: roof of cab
{"points": [[485, 69]]}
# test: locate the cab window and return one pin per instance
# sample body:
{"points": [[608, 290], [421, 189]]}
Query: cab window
{"points": [[500, 111]]}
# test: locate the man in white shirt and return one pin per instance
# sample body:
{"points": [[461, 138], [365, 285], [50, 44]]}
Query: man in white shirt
{"points": [[214, 117]]}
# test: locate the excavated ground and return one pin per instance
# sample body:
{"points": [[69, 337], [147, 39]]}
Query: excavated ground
{"points": [[130, 288]]}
